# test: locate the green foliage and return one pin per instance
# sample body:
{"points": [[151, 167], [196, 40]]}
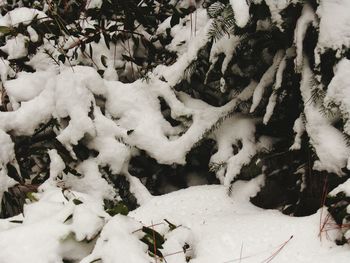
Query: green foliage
{"points": [[118, 208]]}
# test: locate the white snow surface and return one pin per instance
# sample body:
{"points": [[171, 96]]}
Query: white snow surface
{"points": [[276, 7], [307, 17], [329, 142], [266, 80], [230, 229], [22, 15], [93, 4], [68, 221], [16, 47], [334, 24], [7, 155], [216, 226], [241, 12], [338, 91]]}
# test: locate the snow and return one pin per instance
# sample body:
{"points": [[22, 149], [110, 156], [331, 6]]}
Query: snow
{"points": [[266, 80], [334, 24], [225, 45], [136, 106], [67, 220], [183, 33], [338, 91], [276, 7], [187, 51], [241, 12], [299, 129], [5, 70], [119, 242], [38, 243], [231, 230], [92, 182], [278, 84], [33, 35], [7, 155], [217, 227], [20, 15], [56, 164], [7, 152], [307, 17], [34, 84], [16, 47], [236, 129], [344, 187], [93, 4], [329, 142]]}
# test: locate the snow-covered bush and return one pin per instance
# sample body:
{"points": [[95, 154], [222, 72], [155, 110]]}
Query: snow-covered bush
{"points": [[101, 99]]}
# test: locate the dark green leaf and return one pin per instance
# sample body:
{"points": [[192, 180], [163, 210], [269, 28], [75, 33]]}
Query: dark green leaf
{"points": [[77, 202], [5, 29], [175, 19], [120, 208]]}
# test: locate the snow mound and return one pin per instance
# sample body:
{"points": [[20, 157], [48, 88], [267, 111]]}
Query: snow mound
{"points": [[230, 229]]}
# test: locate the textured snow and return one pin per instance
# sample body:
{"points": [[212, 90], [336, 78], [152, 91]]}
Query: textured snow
{"points": [[329, 143], [218, 228], [266, 80], [5, 70], [344, 187], [33, 35], [241, 12], [237, 129], [174, 73], [16, 47], [307, 17], [119, 242], [93, 4], [334, 24], [278, 84], [338, 91], [7, 155], [231, 230], [299, 129], [136, 106], [68, 221], [22, 15], [26, 86], [276, 7], [225, 45], [184, 33]]}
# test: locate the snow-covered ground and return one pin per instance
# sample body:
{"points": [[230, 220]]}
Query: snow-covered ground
{"points": [[231, 229], [217, 227]]}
